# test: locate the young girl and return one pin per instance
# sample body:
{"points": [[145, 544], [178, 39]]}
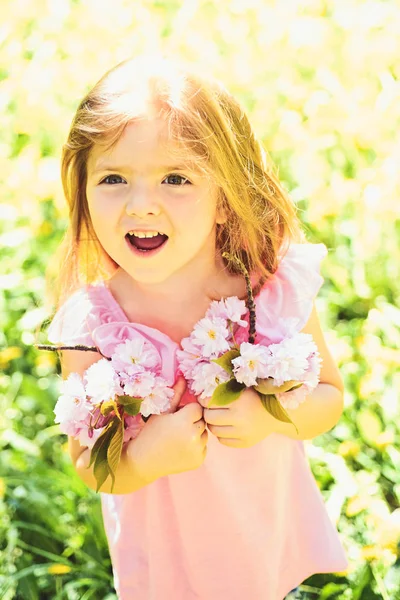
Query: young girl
{"points": [[163, 174]]}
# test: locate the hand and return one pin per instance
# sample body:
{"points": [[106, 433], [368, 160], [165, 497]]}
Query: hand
{"points": [[242, 423], [172, 442]]}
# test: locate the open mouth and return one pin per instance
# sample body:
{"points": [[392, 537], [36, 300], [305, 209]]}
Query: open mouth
{"points": [[146, 244]]}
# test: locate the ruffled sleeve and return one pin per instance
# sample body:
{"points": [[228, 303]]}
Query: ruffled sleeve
{"points": [[85, 310], [285, 302], [69, 325]]}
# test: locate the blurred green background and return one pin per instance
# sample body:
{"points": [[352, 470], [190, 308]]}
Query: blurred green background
{"points": [[320, 81]]}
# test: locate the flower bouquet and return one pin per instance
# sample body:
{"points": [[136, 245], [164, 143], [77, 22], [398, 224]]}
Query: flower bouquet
{"points": [[219, 362], [109, 404]]}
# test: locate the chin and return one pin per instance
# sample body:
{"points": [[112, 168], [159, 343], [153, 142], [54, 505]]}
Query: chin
{"points": [[148, 277]]}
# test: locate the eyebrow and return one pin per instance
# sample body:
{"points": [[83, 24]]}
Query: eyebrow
{"points": [[110, 167]]}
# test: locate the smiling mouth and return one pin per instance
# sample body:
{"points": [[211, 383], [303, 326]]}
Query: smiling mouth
{"points": [[145, 244]]}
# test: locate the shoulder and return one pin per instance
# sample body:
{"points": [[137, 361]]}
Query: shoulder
{"points": [[288, 296], [85, 309]]}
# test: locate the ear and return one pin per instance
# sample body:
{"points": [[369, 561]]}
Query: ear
{"points": [[221, 216]]}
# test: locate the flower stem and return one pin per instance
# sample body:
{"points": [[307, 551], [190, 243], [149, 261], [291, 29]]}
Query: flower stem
{"points": [[250, 299], [78, 347], [233, 336]]}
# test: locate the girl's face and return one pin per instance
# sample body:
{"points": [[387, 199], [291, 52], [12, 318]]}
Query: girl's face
{"points": [[138, 187]]}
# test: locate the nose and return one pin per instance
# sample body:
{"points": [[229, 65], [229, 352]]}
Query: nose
{"points": [[141, 202]]}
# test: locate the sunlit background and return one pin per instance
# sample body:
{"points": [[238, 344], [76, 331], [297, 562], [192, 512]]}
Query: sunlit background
{"points": [[320, 82]]}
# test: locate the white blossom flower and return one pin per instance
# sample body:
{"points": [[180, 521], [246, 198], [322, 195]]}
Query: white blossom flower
{"points": [[294, 398], [133, 426], [206, 377], [311, 376], [85, 440], [211, 335], [231, 309], [73, 386], [217, 309], [72, 405], [288, 360], [134, 354], [158, 400], [235, 309], [251, 363], [189, 357], [102, 381]]}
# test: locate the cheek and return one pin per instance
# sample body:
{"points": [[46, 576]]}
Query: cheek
{"points": [[101, 212], [196, 217]]}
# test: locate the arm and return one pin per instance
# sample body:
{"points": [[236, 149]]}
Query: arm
{"points": [[127, 477], [324, 406], [169, 443], [245, 422]]}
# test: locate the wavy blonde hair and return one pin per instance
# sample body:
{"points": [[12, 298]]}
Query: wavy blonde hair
{"points": [[209, 125]]}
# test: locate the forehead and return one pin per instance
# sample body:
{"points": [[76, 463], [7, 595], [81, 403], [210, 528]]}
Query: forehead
{"points": [[143, 142]]}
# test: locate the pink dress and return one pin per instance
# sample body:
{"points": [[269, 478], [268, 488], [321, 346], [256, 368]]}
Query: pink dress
{"points": [[250, 523]]}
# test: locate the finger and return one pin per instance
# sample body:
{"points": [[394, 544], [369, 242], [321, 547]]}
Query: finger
{"points": [[204, 437], [191, 412], [205, 402], [232, 442], [217, 416], [179, 389], [227, 432], [199, 427]]}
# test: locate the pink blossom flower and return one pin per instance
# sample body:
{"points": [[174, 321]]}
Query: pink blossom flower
{"points": [[133, 426], [251, 363], [211, 335], [102, 382], [86, 440], [158, 401], [206, 377], [217, 309], [288, 360], [189, 357], [134, 354], [71, 427], [231, 309], [311, 376], [139, 384], [235, 309]]}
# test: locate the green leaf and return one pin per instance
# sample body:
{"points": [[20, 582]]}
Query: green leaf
{"points": [[127, 400], [226, 392], [267, 387], [114, 451], [99, 442], [133, 408], [275, 408], [294, 387], [225, 361], [101, 468], [107, 407]]}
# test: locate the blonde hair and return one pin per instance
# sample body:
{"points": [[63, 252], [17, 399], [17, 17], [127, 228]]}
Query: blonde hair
{"points": [[209, 124]]}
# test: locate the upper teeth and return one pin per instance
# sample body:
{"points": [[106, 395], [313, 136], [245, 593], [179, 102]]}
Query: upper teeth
{"points": [[144, 234]]}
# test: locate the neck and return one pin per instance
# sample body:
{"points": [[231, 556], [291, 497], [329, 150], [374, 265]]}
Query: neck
{"points": [[198, 283]]}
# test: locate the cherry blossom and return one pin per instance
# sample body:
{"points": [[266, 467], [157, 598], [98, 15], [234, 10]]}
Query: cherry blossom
{"points": [[206, 377], [158, 400], [251, 363], [102, 382], [211, 335], [134, 354]]}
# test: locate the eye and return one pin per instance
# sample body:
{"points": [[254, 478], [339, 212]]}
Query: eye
{"points": [[177, 180], [111, 176]]}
